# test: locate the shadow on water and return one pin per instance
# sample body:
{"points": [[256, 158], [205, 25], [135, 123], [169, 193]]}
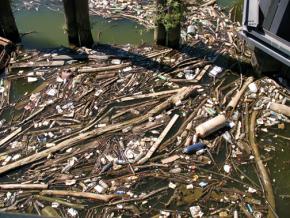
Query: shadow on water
{"points": [[201, 50], [136, 59], [198, 50]]}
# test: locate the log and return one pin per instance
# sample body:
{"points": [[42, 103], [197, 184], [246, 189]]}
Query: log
{"points": [[263, 174], [175, 99], [23, 186], [235, 100], [93, 196]]}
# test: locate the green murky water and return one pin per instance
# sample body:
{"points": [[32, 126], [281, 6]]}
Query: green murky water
{"points": [[47, 28]]}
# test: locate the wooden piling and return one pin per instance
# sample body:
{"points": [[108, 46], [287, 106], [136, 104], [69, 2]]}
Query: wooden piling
{"points": [[173, 33], [71, 22], [83, 21], [8, 24], [1, 31], [173, 36], [159, 30]]}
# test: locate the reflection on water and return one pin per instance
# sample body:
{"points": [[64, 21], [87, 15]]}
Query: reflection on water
{"points": [[45, 29]]}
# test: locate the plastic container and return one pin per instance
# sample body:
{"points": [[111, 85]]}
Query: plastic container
{"points": [[215, 71], [191, 29], [2, 122], [200, 152], [192, 149], [253, 87], [120, 192], [121, 162]]}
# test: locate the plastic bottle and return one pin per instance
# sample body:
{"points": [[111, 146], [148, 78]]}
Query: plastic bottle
{"points": [[2, 122], [236, 215], [194, 148], [211, 126], [107, 167], [120, 192], [200, 152], [215, 71], [121, 162]]}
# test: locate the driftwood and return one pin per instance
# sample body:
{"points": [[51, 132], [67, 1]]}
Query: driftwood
{"points": [[235, 100], [159, 140], [102, 69], [176, 99], [209, 3], [38, 64], [149, 95], [23, 186], [280, 108], [89, 195], [10, 136], [263, 174]]}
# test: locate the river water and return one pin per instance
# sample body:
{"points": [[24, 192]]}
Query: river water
{"points": [[47, 31]]}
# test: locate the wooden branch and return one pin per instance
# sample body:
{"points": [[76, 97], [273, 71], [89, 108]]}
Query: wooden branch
{"points": [[159, 140], [23, 186], [263, 174], [149, 95], [235, 100], [176, 99], [280, 108], [37, 64], [102, 69], [209, 3], [89, 195], [10, 136]]}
